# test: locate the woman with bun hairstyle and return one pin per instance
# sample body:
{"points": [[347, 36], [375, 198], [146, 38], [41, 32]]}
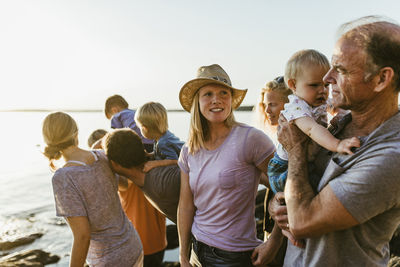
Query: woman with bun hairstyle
{"points": [[85, 193], [220, 166]]}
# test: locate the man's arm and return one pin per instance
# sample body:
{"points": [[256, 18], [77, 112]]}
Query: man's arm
{"points": [[151, 164], [309, 214]]}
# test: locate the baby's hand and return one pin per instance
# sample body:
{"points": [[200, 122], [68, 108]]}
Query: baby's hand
{"points": [[149, 165], [345, 145]]}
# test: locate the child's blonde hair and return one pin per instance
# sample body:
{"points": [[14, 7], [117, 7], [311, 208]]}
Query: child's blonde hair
{"points": [[302, 58], [59, 132], [114, 101], [153, 116]]}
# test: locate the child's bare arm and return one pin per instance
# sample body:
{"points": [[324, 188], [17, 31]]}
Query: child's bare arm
{"points": [[324, 138], [158, 163]]}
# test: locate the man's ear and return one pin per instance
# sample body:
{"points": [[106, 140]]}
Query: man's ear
{"points": [[384, 79], [115, 166], [292, 84]]}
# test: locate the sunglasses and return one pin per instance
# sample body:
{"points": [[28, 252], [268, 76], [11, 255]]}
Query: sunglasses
{"points": [[279, 79]]}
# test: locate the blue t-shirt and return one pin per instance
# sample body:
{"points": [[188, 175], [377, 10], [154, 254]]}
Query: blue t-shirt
{"points": [[168, 147], [126, 119]]}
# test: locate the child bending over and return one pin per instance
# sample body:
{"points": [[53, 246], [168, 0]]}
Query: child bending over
{"points": [[117, 110]]}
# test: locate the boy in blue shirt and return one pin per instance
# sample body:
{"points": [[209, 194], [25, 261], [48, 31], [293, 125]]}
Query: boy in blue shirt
{"points": [[116, 109], [152, 120]]}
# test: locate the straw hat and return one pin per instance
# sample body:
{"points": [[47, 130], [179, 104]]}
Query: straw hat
{"points": [[212, 74]]}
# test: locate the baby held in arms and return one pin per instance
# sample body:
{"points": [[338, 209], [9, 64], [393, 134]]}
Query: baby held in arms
{"points": [[307, 109]]}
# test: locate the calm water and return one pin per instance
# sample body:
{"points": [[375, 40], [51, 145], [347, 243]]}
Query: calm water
{"points": [[26, 198]]}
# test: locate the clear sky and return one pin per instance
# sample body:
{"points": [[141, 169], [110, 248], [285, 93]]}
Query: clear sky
{"points": [[73, 54]]}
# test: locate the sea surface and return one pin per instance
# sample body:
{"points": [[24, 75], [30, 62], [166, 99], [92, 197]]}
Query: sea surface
{"points": [[26, 196]]}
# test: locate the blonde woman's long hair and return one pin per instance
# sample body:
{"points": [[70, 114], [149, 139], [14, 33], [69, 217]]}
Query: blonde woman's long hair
{"points": [[199, 130], [59, 132]]}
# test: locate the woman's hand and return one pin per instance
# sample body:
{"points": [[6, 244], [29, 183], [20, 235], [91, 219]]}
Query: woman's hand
{"points": [[267, 251], [184, 262], [264, 253]]}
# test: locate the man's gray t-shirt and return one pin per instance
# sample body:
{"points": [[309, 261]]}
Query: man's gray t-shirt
{"points": [[368, 185], [162, 187]]}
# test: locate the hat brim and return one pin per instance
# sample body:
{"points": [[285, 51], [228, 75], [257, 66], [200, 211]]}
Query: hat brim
{"points": [[190, 88]]}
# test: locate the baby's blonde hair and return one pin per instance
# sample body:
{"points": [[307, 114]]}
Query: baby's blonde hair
{"points": [[302, 58], [59, 132], [153, 116]]}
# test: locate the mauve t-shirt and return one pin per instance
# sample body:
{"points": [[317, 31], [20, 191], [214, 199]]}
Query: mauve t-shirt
{"points": [[91, 191], [224, 184]]}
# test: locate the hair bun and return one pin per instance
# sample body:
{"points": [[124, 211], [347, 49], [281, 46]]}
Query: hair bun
{"points": [[52, 152]]}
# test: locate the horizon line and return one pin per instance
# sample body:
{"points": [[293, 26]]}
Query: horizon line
{"points": [[241, 108]]}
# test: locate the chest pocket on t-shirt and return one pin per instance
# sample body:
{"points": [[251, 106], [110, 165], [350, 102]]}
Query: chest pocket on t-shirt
{"points": [[227, 179]]}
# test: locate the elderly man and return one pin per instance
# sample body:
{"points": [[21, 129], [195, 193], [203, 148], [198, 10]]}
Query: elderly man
{"points": [[353, 215]]}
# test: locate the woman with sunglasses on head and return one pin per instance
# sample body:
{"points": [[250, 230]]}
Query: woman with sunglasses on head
{"points": [[220, 170], [273, 98]]}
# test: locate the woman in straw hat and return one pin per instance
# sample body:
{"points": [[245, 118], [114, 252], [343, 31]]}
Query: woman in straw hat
{"points": [[220, 169], [85, 192]]}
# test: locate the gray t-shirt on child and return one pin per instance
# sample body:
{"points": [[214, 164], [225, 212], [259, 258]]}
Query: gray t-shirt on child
{"points": [[91, 191], [368, 185], [162, 187]]}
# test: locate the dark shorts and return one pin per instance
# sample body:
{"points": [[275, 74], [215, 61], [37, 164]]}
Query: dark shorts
{"points": [[154, 260]]}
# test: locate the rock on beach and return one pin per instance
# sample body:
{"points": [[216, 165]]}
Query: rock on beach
{"points": [[9, 244], [31, 258]]}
